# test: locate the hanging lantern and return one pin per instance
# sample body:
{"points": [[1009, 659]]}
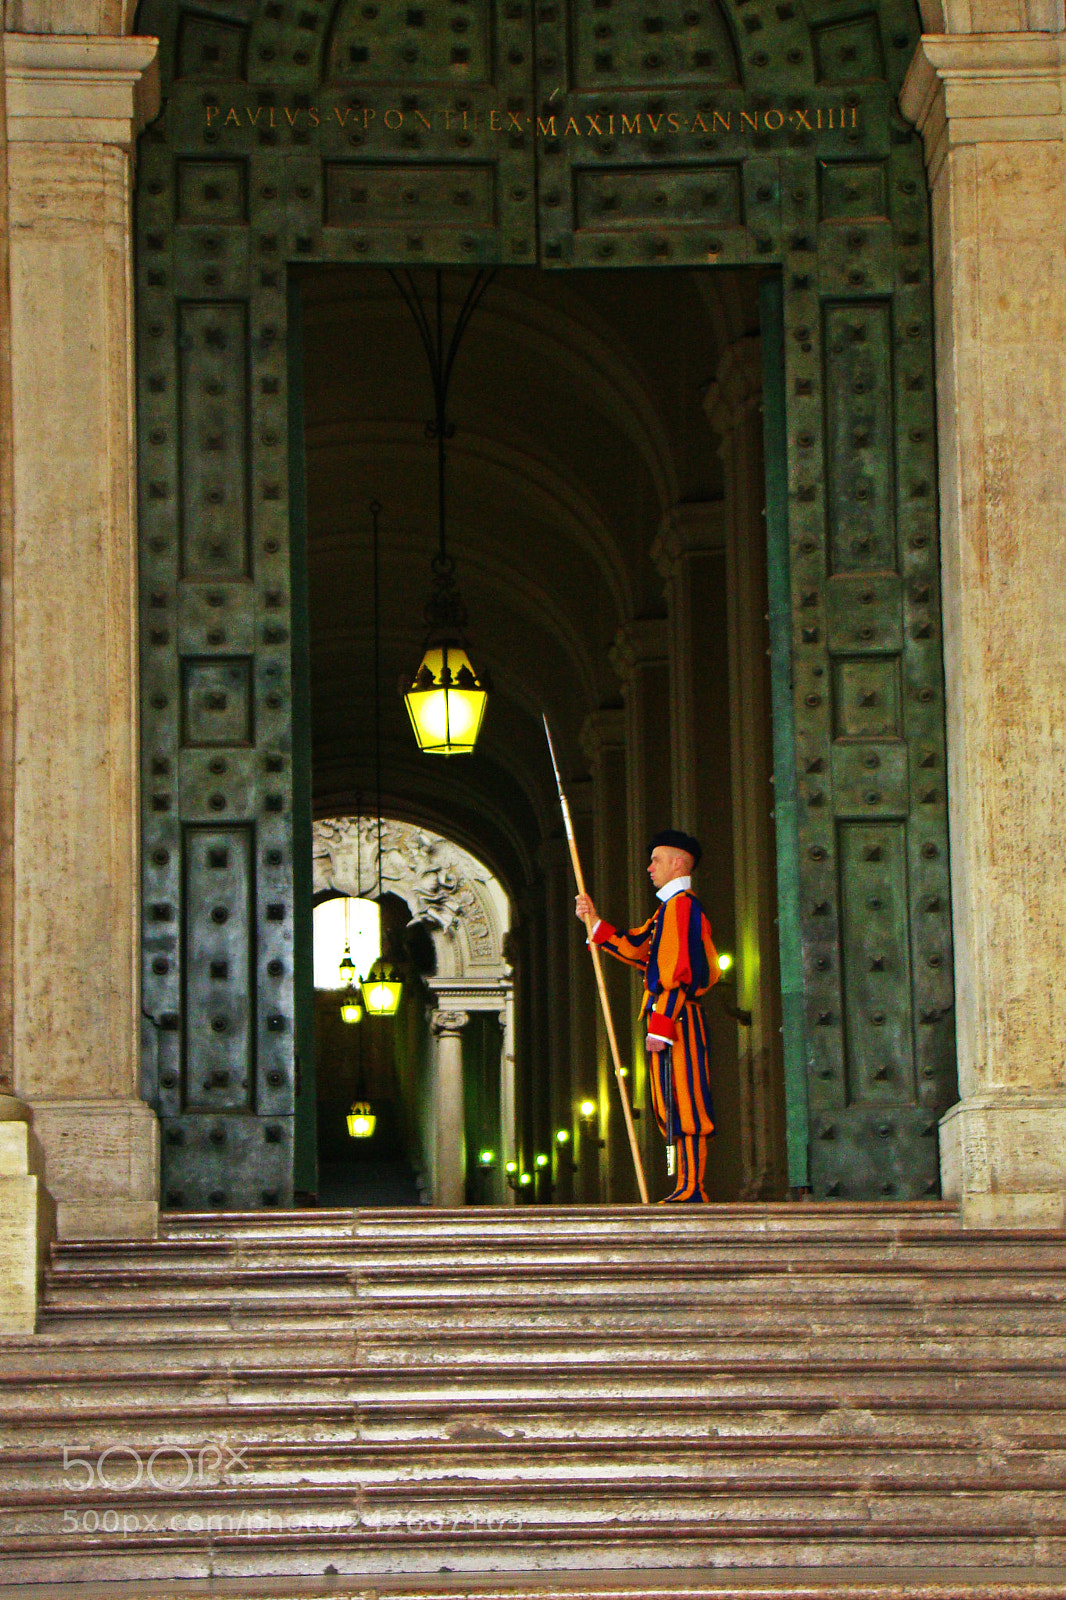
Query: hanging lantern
{"points": [[346, 967], [445, 699], [351, 1009], [382, 989], [361, 1121]]}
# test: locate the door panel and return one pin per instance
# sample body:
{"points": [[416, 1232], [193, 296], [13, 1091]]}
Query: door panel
{"points": [[243, 174], [800, 164]]}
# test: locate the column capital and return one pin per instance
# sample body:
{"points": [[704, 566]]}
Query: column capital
{"points": [[603, 730], [990, 88], [637, 643], [448, 1023], [737, 386], [692, 527], [71, 90]]}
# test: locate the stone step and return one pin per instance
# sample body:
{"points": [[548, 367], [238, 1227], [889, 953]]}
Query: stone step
{"points": [[572, 1505], [250, 1535], [102, 1476], [782, 1582], [208, 1350], [608, 1425], [642, 1284], [755, 1378], [848, 1217], [332, 1260], [872, 1318]]}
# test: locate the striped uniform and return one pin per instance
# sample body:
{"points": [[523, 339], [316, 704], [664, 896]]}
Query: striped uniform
{"points": [[675, 952]]}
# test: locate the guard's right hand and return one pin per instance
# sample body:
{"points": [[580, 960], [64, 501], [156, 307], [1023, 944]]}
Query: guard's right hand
{"points": [[585, 910]]}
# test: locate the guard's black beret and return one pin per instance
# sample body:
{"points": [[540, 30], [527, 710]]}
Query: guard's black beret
{"points": [[676, 840]]}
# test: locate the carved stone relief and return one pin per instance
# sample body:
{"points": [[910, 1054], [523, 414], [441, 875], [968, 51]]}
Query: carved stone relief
{"points": [[464, 907]]}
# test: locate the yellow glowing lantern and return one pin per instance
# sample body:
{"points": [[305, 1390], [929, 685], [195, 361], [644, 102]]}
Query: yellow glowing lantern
{"points": [[446, 700], [382, 990], [361, 1121], [563, 1136], [725, 961], [351, 1010]]}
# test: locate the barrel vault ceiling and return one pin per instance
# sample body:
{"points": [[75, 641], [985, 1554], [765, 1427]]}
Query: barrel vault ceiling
{"points": [[577, 404]]}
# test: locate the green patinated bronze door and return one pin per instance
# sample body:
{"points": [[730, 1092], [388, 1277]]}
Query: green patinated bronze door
{"points": [[589, 133]]}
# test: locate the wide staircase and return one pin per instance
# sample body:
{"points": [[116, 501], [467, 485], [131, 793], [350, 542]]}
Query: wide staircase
{"points": [[795, 1400]]}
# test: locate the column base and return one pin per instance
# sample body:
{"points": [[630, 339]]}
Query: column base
{"points": [[102, 1163], [1003, 1160], [27, 1218]]}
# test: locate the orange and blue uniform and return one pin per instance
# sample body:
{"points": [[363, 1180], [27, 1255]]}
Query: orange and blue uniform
{"points": [[676, 954]]}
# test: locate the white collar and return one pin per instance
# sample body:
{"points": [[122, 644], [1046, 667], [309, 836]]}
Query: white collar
{"points": [[675, 886]]}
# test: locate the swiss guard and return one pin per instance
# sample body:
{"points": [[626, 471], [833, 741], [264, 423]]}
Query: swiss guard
{"points": [[675, 952]]}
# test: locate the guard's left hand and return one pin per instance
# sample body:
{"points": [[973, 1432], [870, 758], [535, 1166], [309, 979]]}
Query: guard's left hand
{"points": [[656, 1044]]}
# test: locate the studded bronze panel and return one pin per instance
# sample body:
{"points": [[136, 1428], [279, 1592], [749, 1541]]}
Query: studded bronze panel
{"points": [[806, 168], [290, 132]]}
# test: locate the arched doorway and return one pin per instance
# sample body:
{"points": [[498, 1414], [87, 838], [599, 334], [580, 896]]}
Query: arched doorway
{"points": [[444, 1064], [719, 137]]}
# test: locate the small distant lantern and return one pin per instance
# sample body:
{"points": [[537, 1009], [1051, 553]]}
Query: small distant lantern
{"points": [[351, 1010], [361, 1121], [382, 990]]}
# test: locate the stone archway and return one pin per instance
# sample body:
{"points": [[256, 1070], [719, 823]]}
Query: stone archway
{"points": [[467, 913]]}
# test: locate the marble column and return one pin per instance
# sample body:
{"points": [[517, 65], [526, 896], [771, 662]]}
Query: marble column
{"points": [[508, 1143], [733, 405], [691, 553], [584, 1013], [990, 109], [73, 109], [603, 740], [449, 1130], [555, 1182], [640, 657]]}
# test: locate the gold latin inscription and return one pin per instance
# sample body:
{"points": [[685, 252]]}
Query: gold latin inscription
{"points": [[604, 125]]}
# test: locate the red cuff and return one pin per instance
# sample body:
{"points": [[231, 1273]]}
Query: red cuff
{"points": [[660, 1027], [602, 932]]}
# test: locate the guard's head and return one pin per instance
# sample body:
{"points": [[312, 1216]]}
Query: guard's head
{"points": [[673, 855]]}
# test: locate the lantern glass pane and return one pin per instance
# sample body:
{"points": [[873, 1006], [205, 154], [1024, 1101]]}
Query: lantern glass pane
{"points": [[382, 997], [446, 719]]}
